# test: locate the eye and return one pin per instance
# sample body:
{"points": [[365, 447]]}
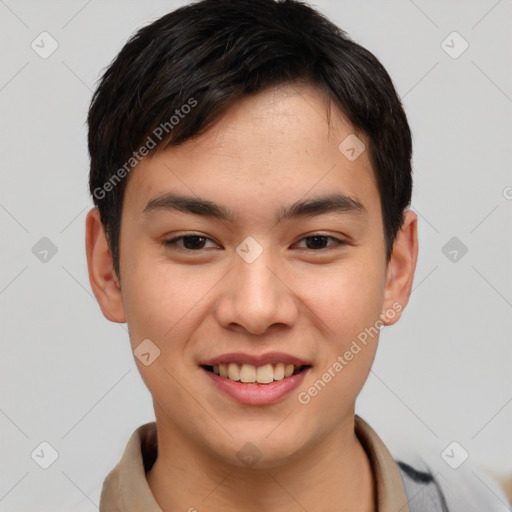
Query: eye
{"points": [[318, 242], [191, 243]]}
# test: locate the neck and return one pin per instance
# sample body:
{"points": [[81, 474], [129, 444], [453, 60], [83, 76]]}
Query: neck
{"points": [[186, 476]]}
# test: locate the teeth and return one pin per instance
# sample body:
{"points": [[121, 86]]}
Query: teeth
{"points": [[288, 370], [249, 373], [265, 374], [233, 371], [279, 371], [223, 370]]}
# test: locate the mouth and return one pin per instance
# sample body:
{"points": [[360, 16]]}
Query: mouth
{"points": [[256, 375], [256, 379]]}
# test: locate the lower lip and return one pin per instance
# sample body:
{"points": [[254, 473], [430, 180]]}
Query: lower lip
{"points": [[257, 394]]}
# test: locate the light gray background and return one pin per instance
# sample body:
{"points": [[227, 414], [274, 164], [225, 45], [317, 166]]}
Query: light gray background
{"points": [[443, 373]]}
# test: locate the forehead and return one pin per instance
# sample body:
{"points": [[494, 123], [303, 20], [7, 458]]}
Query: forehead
{"points": [[272, 144]]}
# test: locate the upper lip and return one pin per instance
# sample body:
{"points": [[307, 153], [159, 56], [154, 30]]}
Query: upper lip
{"points": [[255, 360]]}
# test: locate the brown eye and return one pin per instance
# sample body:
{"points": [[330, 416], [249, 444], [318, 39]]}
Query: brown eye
{"points": [[319, 242], [316, 242], [190, 242], [194, 242]]}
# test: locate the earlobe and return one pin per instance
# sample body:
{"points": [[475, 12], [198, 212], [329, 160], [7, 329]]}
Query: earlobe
{"points": [[401, 268], [104, 282]]}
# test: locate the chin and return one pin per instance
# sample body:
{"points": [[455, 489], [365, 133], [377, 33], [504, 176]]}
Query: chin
{"points": [[261, 446]]}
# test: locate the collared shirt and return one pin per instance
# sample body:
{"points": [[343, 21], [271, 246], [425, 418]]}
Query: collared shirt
{"points": [[125, 489]]}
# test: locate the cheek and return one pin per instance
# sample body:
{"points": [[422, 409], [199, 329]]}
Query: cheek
{"points": [[165, 302], [162, 304], [347, 298], [349, 302]]}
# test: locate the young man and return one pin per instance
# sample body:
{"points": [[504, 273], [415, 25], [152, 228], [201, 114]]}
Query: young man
{"points": [[251, 171]]}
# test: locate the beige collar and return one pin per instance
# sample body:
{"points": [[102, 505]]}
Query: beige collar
{"points": [[391, 495]]}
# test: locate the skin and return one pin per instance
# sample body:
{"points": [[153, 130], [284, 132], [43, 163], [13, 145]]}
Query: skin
{"points": [[269, 150]]}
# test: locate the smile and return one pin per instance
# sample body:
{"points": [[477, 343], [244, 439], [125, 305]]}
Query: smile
{"points": [[253, 392], [251, 374]]}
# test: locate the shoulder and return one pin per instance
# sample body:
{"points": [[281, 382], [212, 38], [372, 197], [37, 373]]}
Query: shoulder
{"points": [[431, 487]]}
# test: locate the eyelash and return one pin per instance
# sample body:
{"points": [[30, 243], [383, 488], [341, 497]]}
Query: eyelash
{"points": [[173, 242]]}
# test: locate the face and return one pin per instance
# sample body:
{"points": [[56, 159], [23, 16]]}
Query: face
{"points": [[247, 275]]}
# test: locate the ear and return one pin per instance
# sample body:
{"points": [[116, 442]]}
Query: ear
{"points": [[104, 282], [400, 271]]}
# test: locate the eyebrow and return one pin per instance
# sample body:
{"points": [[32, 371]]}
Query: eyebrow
{"points": [[189, 204], [339, 203]]}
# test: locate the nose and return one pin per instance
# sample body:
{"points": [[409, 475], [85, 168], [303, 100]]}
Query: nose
{"points": [[256, 296]]}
